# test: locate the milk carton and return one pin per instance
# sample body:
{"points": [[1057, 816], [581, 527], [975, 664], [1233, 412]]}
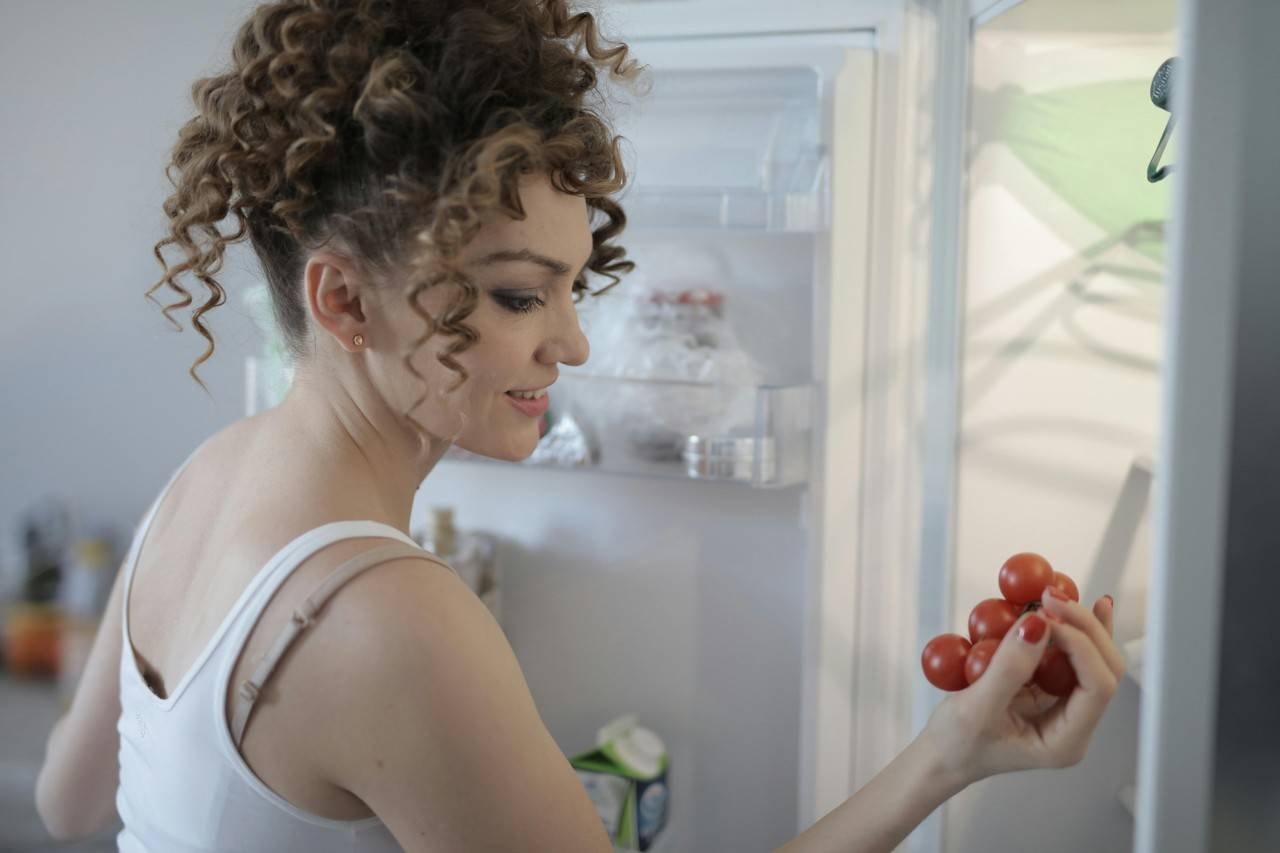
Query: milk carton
{"points": [[626, 778]]}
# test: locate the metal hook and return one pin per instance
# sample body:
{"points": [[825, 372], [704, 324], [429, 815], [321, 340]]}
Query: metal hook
{"points": [[1156, 172], [1161, 96]]}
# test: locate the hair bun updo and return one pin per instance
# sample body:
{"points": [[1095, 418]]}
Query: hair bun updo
{"points": [[389, 128]]}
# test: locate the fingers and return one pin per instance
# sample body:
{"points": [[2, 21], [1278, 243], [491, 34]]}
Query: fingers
{"points": [[1093, 671], [1012, 666], [1031, 701], [1065, 729], [1104, 609], [1074, 614]]}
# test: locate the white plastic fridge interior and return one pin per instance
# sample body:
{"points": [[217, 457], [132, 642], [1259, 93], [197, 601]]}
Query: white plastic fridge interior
{"points": [[681, 601], [1062, 339]]}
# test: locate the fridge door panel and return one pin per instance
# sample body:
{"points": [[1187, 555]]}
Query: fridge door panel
{"points": [[1209, 774], [1062, 330]]}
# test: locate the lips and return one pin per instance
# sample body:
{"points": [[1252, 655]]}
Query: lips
{"points": [[527, 395], [533, 407]]}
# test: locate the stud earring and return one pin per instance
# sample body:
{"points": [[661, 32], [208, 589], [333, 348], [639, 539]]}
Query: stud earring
{"points": [[358, 340]]}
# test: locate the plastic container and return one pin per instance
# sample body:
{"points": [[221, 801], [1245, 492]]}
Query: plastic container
{"points": [[626, 777], [728, 457], [471, 554]]}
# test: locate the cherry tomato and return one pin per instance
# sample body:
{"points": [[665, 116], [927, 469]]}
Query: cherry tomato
{"points": [[979, 656], [943, 661], [1024, 576], [1067, 585], [1055, 674], [992, 619]]}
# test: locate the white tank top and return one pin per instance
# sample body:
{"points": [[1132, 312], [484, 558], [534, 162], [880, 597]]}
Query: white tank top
{"points": [[184, 787]]}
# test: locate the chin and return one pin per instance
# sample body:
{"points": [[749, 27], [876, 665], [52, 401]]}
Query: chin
{"points": [[508, 448]]}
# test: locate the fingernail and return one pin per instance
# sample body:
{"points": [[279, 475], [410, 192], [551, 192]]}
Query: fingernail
{"points": [[1111, 602], [1051, 617], [1031, 629], [1054, 592]]}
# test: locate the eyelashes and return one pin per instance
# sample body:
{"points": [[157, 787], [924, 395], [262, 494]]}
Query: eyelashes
{"points": [[526, 303], [518, 303]]}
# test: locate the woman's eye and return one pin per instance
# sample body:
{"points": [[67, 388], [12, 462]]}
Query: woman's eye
{"points": [[518, 303]]}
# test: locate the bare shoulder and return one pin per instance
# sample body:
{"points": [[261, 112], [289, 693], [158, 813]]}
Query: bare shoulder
{"points": [[434, 727]]}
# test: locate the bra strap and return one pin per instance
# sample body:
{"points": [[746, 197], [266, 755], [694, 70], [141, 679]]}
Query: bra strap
{"points": [[304, 616]]}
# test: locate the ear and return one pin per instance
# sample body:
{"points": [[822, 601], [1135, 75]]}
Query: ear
{"points": [[334, 290]]}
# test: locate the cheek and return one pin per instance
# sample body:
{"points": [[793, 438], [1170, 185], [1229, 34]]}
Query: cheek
{"points": [[502, 359], [431, 397]]}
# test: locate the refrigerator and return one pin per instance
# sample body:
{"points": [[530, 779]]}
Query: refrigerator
{"points": [[941, 312]]}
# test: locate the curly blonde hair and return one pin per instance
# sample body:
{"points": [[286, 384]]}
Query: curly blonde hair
{"points": [[390, 127]]}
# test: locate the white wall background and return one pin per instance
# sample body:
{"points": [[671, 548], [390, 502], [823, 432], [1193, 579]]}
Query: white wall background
{"points": [[98, 408]]}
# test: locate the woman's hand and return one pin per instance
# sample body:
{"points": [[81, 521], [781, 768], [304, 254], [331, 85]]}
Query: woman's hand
{"points": [[994, 726], [999, 724]]}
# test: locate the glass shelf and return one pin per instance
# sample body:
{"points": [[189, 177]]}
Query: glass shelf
{"points": [[758, 436]]}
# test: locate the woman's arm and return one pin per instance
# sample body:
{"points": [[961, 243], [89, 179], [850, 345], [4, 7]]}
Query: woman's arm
{"points": [[437, 731], [996, 725], [76, 788], [884, 811]]}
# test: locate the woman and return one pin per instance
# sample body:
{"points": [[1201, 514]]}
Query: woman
{"points": [[417, 178]]}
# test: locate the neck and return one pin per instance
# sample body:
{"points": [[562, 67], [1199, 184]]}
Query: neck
{"points": [[375, 457]]}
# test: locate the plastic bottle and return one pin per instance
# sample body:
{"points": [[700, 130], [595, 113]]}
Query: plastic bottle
{"points": [[470, 553], [82, 598]]}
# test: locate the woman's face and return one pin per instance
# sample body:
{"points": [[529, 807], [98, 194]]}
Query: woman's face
{"points": [[525, 318]]}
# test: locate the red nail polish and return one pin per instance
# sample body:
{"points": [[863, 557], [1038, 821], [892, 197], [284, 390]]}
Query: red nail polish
{"points": [[1031, 629], [1056, 593]]}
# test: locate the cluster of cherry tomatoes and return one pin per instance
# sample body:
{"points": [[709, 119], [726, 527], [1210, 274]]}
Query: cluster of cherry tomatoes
{"points": [[953, 662]]}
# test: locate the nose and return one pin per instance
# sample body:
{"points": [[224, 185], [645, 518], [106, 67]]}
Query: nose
{"points": [[565, 343]]}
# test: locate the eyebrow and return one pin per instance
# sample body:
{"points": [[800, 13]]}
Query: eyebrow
{"points": [[530, 256]]}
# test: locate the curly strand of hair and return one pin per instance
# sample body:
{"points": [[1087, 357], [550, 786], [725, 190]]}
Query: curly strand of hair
{"points": [[450, 323], [196, 205], [195, 258], [213, 260], [191, 137], [431, 326], [608, 260], [166, 279], [583, 25]]}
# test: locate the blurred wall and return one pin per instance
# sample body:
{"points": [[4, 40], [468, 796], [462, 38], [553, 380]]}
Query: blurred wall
{"points": [[99, 408]]}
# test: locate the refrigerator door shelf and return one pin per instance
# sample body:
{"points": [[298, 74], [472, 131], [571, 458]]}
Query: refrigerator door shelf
{"points": [[737, 147], [758, 436], [729, 208]]}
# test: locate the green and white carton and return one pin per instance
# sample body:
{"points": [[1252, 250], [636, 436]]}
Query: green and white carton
{"points": [[626, 778]]}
